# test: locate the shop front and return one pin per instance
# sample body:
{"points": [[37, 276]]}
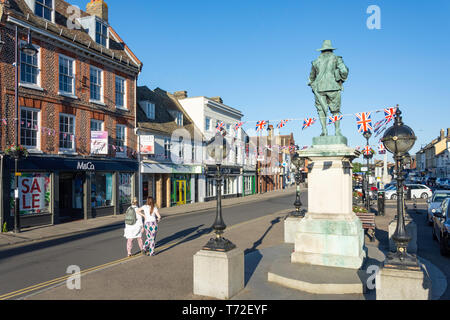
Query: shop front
{"points": [[230, 183], [55, 190], [249, 186], [170, 184]]}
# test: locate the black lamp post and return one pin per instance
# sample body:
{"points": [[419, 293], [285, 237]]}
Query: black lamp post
{"points": [[299, 163], [367, 155], [399, 139], [28, 49], [217, 148]]}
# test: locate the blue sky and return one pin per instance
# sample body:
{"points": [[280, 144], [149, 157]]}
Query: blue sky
{"points": [[257, 56]]}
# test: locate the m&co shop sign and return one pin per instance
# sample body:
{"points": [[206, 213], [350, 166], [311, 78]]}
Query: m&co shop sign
{"points": [[34, 193]]}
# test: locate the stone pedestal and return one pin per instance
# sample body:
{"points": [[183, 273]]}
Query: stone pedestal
{"points": [[411, 230], [218, 274], [291, 227], [401, 284], [330, 234]]}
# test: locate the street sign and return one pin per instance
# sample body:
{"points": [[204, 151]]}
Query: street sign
{"points": [[364, 169]]}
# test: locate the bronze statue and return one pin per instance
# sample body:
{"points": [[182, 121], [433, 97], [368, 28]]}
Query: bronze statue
{"points": [[328, 73]]}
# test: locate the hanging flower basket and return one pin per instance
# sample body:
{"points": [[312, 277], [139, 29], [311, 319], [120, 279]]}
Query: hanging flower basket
{"points": [[16, 152]]}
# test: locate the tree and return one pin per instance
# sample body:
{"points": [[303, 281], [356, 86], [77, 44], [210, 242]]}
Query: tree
{"points": [[357, 167]]}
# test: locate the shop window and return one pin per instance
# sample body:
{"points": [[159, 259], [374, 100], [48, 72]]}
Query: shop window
{"points": [[101, 190], [34, 193], [125, 188], [210, 188]]}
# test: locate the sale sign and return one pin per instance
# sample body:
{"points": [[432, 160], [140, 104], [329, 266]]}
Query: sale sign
{"points": [[32, 193]]}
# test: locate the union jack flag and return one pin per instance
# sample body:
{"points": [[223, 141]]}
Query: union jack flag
{"points": [[282, 124], [261, 125], [238, 125], [220, 126], [333, 119], [389, 113], [367, 150], [305, 147], [364, 121], [308, 122], [381, 149]]}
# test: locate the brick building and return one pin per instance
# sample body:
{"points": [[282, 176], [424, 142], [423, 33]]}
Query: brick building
{"points": [[274, 161], [80, 84]]}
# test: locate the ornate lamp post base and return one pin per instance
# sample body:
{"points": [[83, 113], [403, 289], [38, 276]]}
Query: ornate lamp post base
{"points": [[219, 243]]}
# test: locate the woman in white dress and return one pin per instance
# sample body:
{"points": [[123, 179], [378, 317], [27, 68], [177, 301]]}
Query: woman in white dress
{"points": [[152, 218], [134, 231]]}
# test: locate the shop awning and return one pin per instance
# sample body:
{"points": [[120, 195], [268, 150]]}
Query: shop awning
{"points": [[170, 168]]}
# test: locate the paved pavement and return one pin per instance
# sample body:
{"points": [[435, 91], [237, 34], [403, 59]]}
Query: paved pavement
{"points": [[168, 275], [77, 227]]}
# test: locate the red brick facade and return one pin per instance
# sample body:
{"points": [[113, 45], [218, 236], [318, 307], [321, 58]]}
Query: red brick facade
{"points": [[51, 104]]}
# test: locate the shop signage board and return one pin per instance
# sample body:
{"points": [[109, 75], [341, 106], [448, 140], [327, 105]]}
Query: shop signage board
{"points": [[147, 144], [99, 142]]}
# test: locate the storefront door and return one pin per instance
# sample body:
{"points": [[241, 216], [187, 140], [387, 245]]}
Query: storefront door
{"points": [[181, 192], [71, 196]]}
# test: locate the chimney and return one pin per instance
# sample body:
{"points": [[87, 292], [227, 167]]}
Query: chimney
{"points": [[217, 99], [180, 94], [448, 132], [98, 8], [442, 134]]}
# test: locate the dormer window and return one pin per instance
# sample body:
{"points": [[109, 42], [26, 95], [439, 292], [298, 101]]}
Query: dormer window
{"points": [[44, 9], [178, 117], [101, 33], [149, 109]]}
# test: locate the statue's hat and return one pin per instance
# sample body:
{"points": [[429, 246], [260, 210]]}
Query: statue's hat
{"points": [[326, 46]]}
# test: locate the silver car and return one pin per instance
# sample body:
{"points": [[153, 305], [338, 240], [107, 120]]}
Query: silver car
{"points": [[435, 202]]}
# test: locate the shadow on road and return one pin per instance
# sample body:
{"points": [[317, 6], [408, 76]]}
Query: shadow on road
{"points": [[252, 261], [194, 233], [6, 253]]}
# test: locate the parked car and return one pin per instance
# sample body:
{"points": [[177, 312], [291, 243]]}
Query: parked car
{"points": [[391, 193], [434, 203], [441, 226], [442, 183], [419, 191]]}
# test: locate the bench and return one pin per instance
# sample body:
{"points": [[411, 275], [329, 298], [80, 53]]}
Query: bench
{"points": [[368, 223]]}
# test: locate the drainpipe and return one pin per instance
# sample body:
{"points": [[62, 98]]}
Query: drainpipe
{"points": [[1, 194]]}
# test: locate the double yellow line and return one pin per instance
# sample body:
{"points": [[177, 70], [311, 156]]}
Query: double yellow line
{"points": [[60, 279]]}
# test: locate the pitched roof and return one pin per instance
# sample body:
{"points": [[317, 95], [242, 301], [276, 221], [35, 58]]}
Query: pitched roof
{"points": [[164, 122], [117, 51]]}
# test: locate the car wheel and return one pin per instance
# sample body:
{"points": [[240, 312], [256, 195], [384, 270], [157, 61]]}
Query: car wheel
{"points": [[434, 234], [424, 195], [394, 197], [442, 246]]}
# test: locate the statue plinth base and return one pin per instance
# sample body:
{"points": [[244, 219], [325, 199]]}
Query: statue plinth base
{"points": [[330, 234], [329, 140]]}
